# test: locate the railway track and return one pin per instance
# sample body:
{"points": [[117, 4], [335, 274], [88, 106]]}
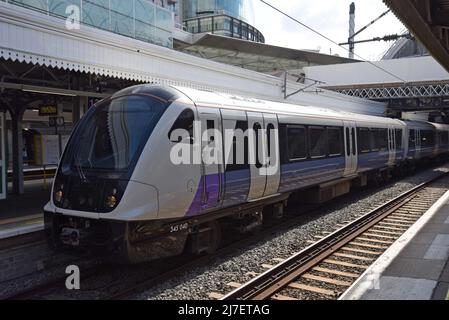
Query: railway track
{"points": [[327, 268]]}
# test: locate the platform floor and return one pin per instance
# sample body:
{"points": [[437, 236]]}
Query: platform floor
{"points": [[24, 214], [416, 267]]}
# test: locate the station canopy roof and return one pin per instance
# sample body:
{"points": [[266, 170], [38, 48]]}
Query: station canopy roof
{"points": [[429, 22], [258, 57]]}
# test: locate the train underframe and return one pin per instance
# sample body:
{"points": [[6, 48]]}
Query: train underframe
{"points": [[143, 241]]}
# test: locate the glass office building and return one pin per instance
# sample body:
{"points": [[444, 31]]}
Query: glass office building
{"points": [[139, 19], [231, 18]]}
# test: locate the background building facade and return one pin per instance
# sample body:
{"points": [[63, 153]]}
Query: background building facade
{"points": [[223, 17], [146, 20]]}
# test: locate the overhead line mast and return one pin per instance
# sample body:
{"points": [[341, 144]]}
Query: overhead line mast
{"points": [[352, 34]]}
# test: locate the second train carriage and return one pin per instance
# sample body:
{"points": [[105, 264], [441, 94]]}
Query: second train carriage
{"points": [[117, 185]]}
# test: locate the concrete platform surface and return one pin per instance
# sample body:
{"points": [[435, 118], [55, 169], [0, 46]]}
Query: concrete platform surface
{"points": [[31, 202], [416, 267], [24, 214], [18, 226]]}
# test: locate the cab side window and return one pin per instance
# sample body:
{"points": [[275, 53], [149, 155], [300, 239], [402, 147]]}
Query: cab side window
{"points": [[184, 122]]}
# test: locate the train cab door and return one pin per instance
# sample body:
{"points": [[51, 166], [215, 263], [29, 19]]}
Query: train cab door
{"points": [[212, 157], [351, 151], [257, 154], [272, 165], [2, 157], [391, 146]]}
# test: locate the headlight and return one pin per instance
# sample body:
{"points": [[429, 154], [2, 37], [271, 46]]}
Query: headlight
{"points": [[111, 201], [113, 194], [58, 196]]}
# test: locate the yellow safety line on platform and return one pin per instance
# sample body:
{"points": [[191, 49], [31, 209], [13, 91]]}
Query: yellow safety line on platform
{"points": [[35, 221], [21, 219]]}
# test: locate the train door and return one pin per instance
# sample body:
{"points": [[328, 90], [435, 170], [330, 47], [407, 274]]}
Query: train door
{"points": [[2, 157], [351, 151], [257, 154], [391, 146], [212, 157], [272, 166], [237, 170]]}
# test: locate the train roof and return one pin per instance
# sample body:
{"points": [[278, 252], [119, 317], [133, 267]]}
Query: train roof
{"points": [[426, 125], [440, 126], [163, 93], [231, 101], [222, 100]]}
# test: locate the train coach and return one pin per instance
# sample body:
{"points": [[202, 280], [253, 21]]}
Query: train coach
{"points": [[136, 176]]}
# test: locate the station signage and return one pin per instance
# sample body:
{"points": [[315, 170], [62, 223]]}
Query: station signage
{"points": [[46, 110], [56, 121]]}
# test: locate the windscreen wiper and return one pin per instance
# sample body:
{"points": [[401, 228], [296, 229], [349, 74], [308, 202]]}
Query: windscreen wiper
{"points": [[80, 170]]}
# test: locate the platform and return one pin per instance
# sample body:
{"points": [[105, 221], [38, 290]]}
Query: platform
{"points": [[416, 267], [24, 214], [45, 173]]}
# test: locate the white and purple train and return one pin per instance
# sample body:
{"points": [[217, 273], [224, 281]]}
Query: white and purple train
{"points": [[118, 188]]}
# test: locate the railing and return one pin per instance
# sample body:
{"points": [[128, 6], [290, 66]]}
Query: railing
{"points": [[396, 92]]}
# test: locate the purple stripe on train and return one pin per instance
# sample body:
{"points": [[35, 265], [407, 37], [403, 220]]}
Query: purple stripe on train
{"points": [[204, 201], [235, 187]]}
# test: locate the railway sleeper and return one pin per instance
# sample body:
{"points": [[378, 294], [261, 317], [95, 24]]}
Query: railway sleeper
{"points": [[374, 253], [313, 289], [336, 272], [340, 283]]}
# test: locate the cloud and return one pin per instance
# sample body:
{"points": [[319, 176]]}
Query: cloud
{"points": [[330, 17]]}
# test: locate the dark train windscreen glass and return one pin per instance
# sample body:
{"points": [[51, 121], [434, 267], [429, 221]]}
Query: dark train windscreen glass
{"points": [[112, 135]]}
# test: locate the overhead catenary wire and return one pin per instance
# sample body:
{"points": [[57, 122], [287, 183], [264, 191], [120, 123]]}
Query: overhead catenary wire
{"points": [[330, 40]]}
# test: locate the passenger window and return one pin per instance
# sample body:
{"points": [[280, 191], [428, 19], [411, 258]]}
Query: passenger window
{"points": [[318, 142], [239, 161], [210, 130], [257, 130], [427, 138], [411, 139], [381, 139], [353, 142], [296, 139], [444, 138], [364, 140], [335, 141], [184, 122], [348, 142], [270, 135]]}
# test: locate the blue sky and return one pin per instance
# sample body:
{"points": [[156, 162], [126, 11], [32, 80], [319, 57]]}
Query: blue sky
{"points": [[331, 17]]}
